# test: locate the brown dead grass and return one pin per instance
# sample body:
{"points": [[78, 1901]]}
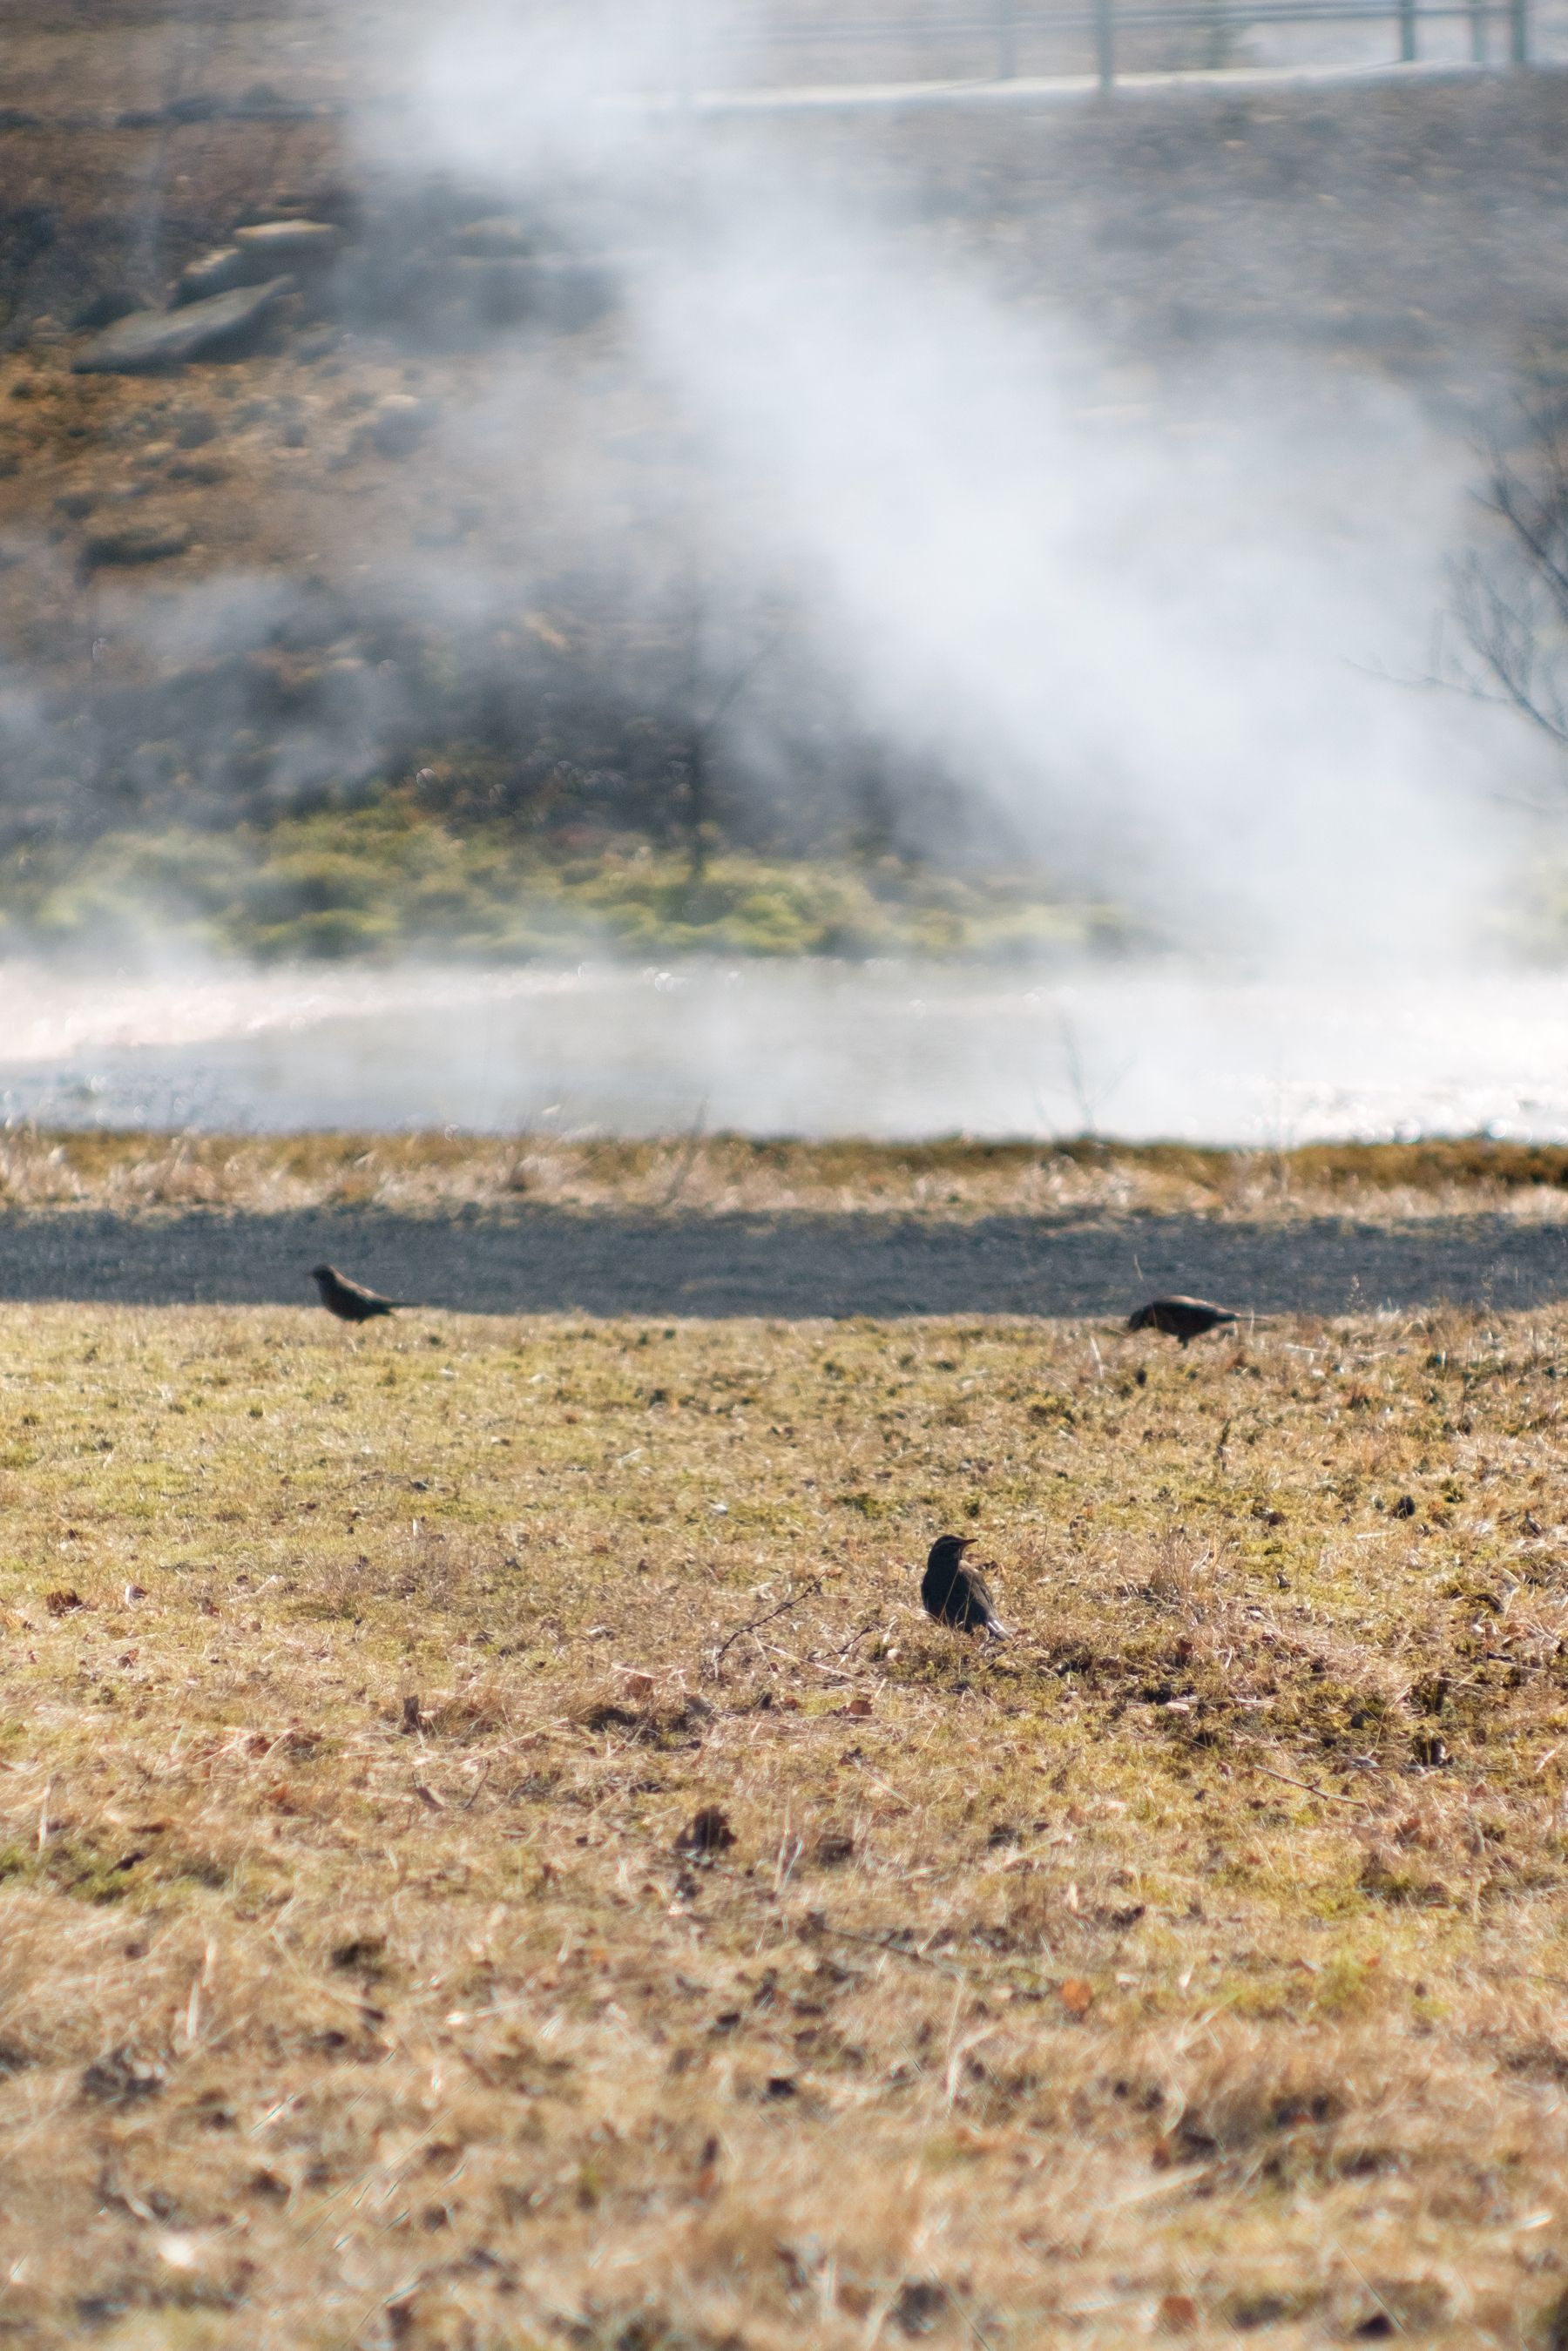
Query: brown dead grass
{"points": [[130, 1173], [1193, 1965]]}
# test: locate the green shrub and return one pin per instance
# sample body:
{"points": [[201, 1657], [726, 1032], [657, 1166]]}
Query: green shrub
{"points": [[386, 878]]}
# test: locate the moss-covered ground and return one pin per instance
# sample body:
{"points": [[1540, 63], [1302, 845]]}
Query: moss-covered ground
{"points": [[386, 882]]}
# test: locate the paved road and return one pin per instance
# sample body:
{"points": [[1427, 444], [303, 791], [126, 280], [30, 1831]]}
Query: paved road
{"points": [[542, 1260]]}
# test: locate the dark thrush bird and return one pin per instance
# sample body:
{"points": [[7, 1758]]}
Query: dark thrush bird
{"points": [[1180, 1318], [954, 1594], [351, 1301]]}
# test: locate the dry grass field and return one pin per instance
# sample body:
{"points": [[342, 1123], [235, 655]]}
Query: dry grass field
{"points": [[493, 1853], [438, 1172]]}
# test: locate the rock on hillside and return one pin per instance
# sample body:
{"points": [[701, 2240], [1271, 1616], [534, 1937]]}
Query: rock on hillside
{"points": [[149, 341]]}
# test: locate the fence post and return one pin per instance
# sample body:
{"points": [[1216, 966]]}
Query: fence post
{"points": [[1477, 33], [1105, 39], [1006, 40], [1519, 32], [1407, 32]]}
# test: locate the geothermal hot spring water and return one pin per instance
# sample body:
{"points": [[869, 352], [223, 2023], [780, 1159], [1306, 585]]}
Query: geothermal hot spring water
{"points": [[807, 1049]]}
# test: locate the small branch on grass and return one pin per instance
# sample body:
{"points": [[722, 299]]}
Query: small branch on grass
{"points": [[688, 1158], [870, 1626], [896, 1952], [983, 2341], [1329, 1795], [1522, 1975], [783, 1656], [756, 1622]]}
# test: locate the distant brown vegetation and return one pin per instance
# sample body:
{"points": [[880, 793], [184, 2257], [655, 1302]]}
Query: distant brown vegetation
{"points": [[129, 1173]]}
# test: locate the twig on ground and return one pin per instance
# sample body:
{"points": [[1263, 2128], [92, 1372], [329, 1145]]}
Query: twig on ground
{"points": [[869, 1626], [896, 1952], [983, 2341], [1329, 1795], [754, 1624], [687, 1160]]}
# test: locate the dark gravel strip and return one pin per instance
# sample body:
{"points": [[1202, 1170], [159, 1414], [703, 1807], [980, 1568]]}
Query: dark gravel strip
{"points": [[538, 1261]]}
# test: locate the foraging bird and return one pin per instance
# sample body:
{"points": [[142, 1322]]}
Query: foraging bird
{"points": [[351, 1301], [954, 1594], [1180, 1318]]}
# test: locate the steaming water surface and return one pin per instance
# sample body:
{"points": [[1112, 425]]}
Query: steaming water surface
{"points": [[810, 1049]]}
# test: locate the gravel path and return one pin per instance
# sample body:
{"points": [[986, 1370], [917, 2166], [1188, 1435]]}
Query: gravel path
{"points": [[541, 1259]]}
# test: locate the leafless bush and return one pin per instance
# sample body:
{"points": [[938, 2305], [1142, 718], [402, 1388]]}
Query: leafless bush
{"points": [[1511, 595]]}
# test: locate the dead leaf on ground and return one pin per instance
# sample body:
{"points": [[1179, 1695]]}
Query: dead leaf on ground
{"points": [[121, 2079], [708, 1831], [922, 2302], [359, 1952]]}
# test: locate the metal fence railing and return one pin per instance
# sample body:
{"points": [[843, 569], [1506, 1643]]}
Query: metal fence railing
{"points": [[686, 51], [998, 36]]}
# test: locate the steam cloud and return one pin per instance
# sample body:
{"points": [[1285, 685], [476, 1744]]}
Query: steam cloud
{"points": [[944, 550], [1152, 641]]}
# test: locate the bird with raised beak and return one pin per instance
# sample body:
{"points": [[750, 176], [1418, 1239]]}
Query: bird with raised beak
{"points": [[954, 1594], [351, 1301], [1180, 1318]]}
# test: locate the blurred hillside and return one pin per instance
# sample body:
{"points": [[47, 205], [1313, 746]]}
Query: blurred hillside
{"points": [[420, 549]]}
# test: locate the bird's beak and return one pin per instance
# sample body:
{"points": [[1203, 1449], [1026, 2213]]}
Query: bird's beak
{"points": [[967, 1543]]}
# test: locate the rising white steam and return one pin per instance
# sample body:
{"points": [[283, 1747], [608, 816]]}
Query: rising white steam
{"points": [[1141, 620], [1151, 642]]}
